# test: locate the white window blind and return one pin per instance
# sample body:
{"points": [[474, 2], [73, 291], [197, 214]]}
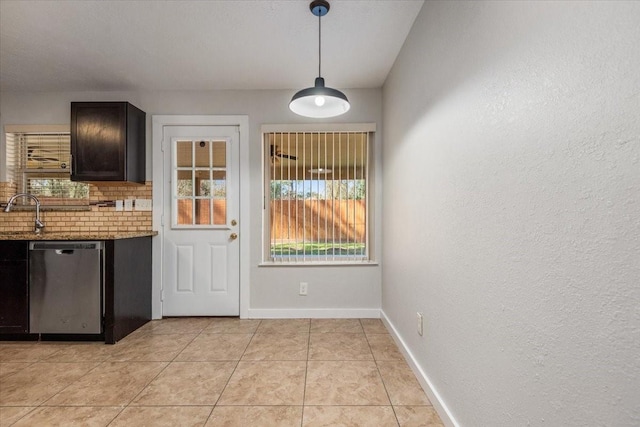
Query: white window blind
{"points": [[317, 184], [39, 164]]}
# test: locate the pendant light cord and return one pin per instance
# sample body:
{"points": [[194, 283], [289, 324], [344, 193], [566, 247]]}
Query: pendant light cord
{"points": [[319, 44]]}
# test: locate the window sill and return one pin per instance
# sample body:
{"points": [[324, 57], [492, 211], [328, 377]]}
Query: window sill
{"points": [[320, 264]]}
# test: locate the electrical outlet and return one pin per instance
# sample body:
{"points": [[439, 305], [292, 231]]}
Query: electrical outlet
{"points": [[304, 287], [420, 324], [142, 204]]}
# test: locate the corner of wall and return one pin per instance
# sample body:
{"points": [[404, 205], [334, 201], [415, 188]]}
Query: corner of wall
{"points": [[432, 393]]}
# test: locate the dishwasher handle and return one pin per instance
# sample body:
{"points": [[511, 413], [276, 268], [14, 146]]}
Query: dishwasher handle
{"points": [[64, 247], [64, 251]]}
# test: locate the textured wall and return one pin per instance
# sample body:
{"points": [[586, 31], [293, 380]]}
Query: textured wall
{"points": [[512, 209]]}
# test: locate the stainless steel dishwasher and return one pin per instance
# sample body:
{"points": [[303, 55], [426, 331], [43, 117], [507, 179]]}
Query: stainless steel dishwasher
{"points": [[65, 287]]}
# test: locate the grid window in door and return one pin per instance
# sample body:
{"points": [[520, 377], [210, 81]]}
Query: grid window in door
{"points": [[199, 183]]}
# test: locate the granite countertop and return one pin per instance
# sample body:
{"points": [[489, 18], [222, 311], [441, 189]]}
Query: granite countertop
{"points": [[61, 235]]}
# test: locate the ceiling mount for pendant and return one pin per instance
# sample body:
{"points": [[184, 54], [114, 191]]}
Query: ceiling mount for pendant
{"points": [[319, 101], [319, 7]]}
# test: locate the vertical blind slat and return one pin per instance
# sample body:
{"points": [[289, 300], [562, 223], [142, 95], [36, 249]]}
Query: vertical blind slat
{"points": [[281, 201], [355, 156], [289, 201], [333, 190], [304, 202], [340, 191]]}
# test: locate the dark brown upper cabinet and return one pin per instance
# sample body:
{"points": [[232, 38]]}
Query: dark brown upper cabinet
{"points": [[108, 142]]}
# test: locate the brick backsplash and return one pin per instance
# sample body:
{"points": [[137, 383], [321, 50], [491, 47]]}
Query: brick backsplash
{"points": [[7, 189], [99, 218]]}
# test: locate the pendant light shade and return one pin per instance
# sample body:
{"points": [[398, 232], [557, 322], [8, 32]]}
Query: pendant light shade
{"points": [[319, 101]]}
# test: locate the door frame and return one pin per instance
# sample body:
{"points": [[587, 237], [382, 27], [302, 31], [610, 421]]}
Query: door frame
{"points": [[158, 122]]}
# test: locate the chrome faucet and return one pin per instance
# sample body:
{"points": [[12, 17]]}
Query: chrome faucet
{"points": [[39, 225]]}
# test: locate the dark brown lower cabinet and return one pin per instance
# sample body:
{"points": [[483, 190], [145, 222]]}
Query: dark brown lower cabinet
{"points": [[14, 287], [127, 290], [127, 286]]}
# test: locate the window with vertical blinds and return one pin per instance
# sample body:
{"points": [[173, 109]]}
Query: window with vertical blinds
{"points": [[316, 197], [39, 164]]}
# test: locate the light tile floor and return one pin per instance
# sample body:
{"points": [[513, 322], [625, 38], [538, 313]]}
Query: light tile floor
{"points": [[217, 372]]}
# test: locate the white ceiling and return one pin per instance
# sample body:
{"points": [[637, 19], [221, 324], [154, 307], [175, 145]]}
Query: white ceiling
{"points": [[197, 45]]}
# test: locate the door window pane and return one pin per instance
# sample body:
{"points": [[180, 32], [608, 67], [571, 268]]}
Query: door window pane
{"points": [[184, 183], [184, 154], [219, 194], [203, 212], [200, 183], [219, 154]]}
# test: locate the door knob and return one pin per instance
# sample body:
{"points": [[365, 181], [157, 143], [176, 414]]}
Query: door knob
{"points": [[233, 236]]}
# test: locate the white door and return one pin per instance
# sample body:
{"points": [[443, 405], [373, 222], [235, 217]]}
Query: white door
{"points": [[201, 255]]}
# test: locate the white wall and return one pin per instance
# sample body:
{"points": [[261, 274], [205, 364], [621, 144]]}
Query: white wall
{"points": [[335, 291], [511, 171]]}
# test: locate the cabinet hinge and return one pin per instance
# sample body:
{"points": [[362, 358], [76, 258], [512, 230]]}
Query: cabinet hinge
{"points": [[162, 220], [162, 295]]}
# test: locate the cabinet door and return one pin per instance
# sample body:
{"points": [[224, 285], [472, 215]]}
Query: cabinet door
{"points": [[14, 296], [98, 141], [127, 286]]}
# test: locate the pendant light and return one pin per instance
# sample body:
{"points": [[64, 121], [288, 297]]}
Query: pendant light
{"points": [[319, 101]]}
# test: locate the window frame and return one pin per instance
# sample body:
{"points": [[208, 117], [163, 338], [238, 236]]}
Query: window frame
{"points": [[17, 173], [370, 206]]}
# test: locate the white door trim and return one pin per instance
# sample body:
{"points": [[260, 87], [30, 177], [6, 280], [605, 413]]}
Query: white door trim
{"points": [[158, 122]]}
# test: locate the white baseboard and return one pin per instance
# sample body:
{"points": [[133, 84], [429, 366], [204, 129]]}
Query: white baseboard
{"points": [[433, 395], [314, 313]]}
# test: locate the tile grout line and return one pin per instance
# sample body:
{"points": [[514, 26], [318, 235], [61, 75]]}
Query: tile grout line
{"points": [[393, 408], [232, 372], [375, 361], [306, 373]]}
